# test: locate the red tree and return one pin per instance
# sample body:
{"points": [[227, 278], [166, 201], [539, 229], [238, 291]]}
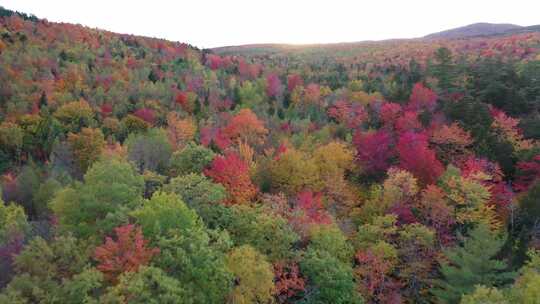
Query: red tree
{"points": [[214, 61], [293, 81], [373, 150], [288, 281], [273, 85], [312, 93], [528, 173], [245, 126], [146, 115], [307, 212], [422, 98], [389, 113], [373, 278], [350, 114], [181, 99], [106, 109], [127, 253], [416, 157], [312, 207], [408, 122], [233, 173]]}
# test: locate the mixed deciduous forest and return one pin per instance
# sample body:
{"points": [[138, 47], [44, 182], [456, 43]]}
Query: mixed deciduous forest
{"points": [[140, 170]]}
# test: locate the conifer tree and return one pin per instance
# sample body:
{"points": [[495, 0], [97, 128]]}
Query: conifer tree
{"points": [[472, 264]]}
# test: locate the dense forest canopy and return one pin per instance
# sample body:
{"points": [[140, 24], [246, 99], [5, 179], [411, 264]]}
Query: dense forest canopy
{"points": [[140, 170]]}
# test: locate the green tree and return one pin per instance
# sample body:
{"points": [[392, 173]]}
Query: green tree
{"points": [[147, 285], [472, 264], [333, 279], [331, 239], [189, 253], [443, 68], [165, 212], [529, 215], [195, 258], [270, 234], [110, 189], [192, 158], [13, 221], [11, 139], [84, 287], [526, 289], [41, 269], [202, 195]]}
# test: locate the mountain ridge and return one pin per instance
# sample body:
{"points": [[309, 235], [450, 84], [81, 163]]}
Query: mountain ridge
{"points": [[480, 29], [475, 29]]}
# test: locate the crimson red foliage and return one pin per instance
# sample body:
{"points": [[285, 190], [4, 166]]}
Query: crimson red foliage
{"points": [[249, 71], [293, 81], [106, 109], [146, 114], [389, 113], [273, 85], [214, 61], [416, 157], [404, 214], [528, 173], [373, 150], [181, 98], [280, 151], [408, 122], [422, 98], [214, 135], [312, 207]]}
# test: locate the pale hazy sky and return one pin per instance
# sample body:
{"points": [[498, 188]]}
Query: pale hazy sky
{"points": [[211, 23]]}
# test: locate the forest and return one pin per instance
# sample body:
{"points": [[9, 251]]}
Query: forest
{"points": [[141, 170]]}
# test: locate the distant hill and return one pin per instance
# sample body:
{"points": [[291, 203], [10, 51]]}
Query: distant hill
{"points": [[468, 31], [477, 29]]}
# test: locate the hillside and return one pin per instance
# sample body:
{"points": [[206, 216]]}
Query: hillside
{"points": [[476, 29], [141, 170]]}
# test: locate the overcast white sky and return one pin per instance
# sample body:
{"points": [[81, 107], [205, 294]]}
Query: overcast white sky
{"points": [[211, 23]]}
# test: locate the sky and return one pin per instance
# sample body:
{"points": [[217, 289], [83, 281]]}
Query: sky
{"points": [[213, 23]]}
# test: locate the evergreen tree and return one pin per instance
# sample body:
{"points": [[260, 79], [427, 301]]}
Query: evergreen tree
{"points": [[472, 264], [443, 69]]}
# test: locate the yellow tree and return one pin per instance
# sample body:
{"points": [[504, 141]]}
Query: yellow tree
{"points": [[254, 276], [469, 198], [75, 115], [86, 146], [180, 131], [293, 171]]}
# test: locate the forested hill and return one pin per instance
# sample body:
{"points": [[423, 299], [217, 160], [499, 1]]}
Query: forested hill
{"points": [[140, 170], [476, 29]]}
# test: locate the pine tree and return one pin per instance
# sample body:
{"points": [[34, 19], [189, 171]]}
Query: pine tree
{"points": [[472, 264]]}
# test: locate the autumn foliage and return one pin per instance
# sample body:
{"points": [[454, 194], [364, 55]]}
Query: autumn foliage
{"points": [[245, 126], [288, 281], [374, 150], [232, 172], [416, 157], [126, 253], [141, 170]]}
